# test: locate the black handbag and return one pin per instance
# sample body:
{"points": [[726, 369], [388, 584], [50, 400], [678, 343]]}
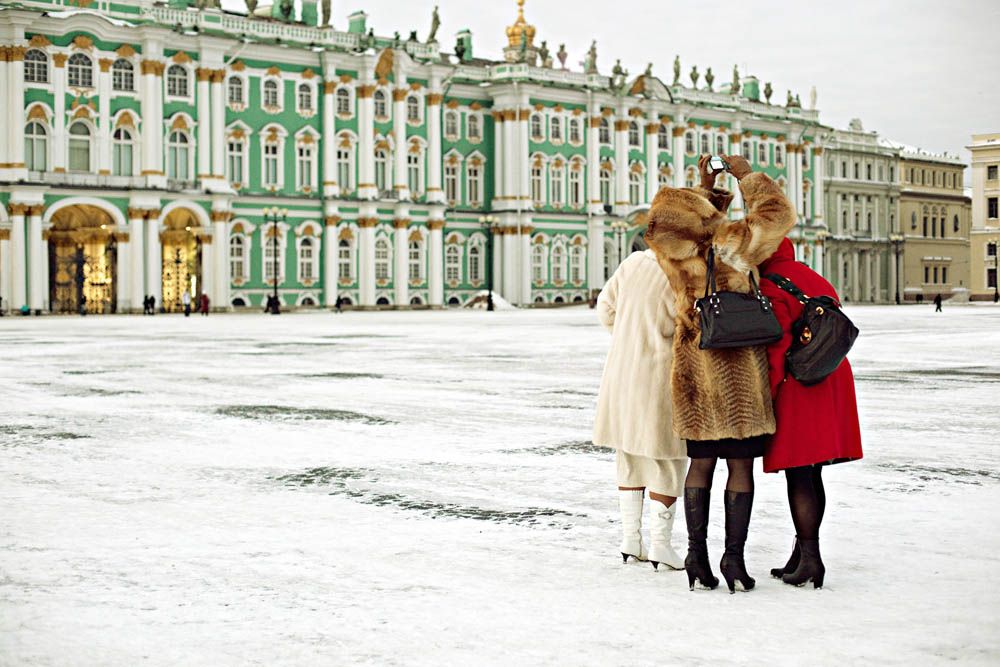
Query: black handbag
{"points": [[821, 337], [735, 319]]}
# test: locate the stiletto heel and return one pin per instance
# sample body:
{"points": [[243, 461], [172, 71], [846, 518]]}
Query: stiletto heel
{"points": [[810, 567], [733, 567], [691, 579], [624, 557], [730, 582], [818, 580]]}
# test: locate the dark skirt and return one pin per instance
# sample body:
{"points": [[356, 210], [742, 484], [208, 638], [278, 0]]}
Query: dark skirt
{"points": [[728, 448]]}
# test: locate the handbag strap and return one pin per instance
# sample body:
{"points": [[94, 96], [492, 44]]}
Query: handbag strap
{"points": [[787, 285], [710, 272]]}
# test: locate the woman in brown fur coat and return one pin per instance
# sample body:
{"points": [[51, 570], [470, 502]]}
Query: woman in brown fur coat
{"points": [[721, 398]]}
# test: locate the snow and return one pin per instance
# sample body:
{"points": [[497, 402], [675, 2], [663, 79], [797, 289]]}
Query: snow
{"points": [[417, 488]]}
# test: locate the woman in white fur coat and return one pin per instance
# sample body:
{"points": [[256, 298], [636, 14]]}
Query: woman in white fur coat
{"points": [[634, 413]]}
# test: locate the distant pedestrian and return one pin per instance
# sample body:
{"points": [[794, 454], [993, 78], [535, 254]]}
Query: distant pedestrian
{"points": [[937, 304], [338, 306], [186, 300], [203, 304], [146, 308], [152, 304]]}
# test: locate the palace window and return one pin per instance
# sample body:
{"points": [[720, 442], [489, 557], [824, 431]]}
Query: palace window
{"points": [[451, 184], [123, 75], [537, 196], [80, 71], [720, 145], [538, 263], [604, 180], [762, 152], [663, 178], [305, 98], [892, 174], [237, 258], [574, 131], [451, 125], [345, 260], [475, 260], [576, 186], [452, 263], [270, 175], [868, 172], [36, 147], [556, 176], [689, 143], [536, 127], [634, 134], [381, 169], [344, 169], [177, 81], [271, 94], [609, 258], [413, 180], [382, 258], [577, 258], [747, 152], [307, 260], [705, 145], [663, 137], [268, 257], [343, 102], [779, 154], [857, 171], [991, 172], [381, 108], [634, 187], [178, 154], [79, 147], [925, 226], [913, 221], [121, 152], [690, 177], [413, 109], [36, 66], [558, 263], [235, 161], [305, 166], [604, 132], [234, 88], [415, 258], [991, 208], [474, 175], [473, 128], [555, 129]]}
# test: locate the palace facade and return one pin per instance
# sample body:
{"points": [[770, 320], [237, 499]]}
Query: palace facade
{"points": [[985, 237], [155, 148]]}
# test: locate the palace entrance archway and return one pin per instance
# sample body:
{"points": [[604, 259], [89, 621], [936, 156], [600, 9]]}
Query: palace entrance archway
{"points": [[182, 259], [83, 260]]}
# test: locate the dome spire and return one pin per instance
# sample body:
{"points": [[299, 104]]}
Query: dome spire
{"points": [[521, 30]]}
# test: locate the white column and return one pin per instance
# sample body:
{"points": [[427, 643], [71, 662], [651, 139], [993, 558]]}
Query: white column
{"points": [[154, 257], [878, 275], [621, 159], [218, 105], [869, 283], [7, 136], [511, 241], [855, 276], [510, 162], [366, 261], [331, 250], [37, 260], [15, 116], [497, 258], [5, 272], [893, 278], [220, 251], [152, 123], [104, 116], [58, 152], [525, 253], [522, 167], [366, 148], [124, 277], [205, 129], [209, 272], [434, 192], [652, 164], [594, 204], [329, 142], [678, 152], [435, 259], [595, 254], [401, 274], [499, 160], [820, 265], [817, 187], [735, 148], [18, 250], [137, 279], [401, 183]]}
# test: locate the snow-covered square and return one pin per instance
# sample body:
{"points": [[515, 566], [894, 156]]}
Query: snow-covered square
{"points": [[405, 488]]}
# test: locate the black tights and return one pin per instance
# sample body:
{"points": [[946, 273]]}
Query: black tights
{"points": [[807, 500], [701, 471]]}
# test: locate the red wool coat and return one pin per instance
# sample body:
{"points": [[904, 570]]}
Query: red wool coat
{"points": [[815, 424]]}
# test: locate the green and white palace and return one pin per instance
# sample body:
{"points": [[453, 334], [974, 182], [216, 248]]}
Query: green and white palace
{"points": [[144, 141]]}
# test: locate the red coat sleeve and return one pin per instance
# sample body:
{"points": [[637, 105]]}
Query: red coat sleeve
{"points": [[776, 351]]}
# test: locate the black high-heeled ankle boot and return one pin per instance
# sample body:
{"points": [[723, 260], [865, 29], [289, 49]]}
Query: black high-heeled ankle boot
{"points": [[733, 567], [696, 503], [810, 567], [793, 562]]}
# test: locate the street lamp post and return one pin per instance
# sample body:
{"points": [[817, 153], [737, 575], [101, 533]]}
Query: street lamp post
{"points": [[619, 227], [487, 222], [897, 242], [275, 216]]}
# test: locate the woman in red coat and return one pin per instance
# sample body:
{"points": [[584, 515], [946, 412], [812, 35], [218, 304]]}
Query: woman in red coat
{"points": [[816, 425]]}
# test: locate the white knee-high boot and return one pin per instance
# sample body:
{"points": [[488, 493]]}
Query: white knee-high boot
{"points": [[630, 504], [661, 527]]}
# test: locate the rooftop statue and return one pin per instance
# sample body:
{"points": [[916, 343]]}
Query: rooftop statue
{"points": [[789, 100], [562, 55], [677, 70], [543, 54], [768, 91], [590, 63], [735, 88], [812, 98], [649, 71], [251, 7], [694, 76], [287, 9], [709, 78], [325, 21], [435, 24]]}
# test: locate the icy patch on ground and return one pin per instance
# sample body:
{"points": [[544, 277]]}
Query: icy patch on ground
{"points": [[420, 488]]}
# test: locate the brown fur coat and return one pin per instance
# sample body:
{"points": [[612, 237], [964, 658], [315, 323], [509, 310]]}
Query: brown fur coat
{"points": [[717, 393]]}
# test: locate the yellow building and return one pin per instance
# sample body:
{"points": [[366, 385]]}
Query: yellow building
{"points": [[934, 226], [985, 237]]}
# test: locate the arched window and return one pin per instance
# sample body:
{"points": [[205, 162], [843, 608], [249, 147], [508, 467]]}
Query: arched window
{"points": [[305, 98], [762, 152], [307, 260], [474, 131], [269, 257], [604, 180], [609, 257], [779, 154], [474, 187], [868, 172], [475, 261], [555, 129], [177, 81], [79, 147], [537, 188], [634, 187], [451, 125], [235, 149], [720, 145], [663, 137], [344, 160], [576, 185], [36, 147], [689, 143], [415, 258], [178, 153], [747, 151], [413, 179], [705, 146], [574, 131], [558, 263], [633, 134], [604, 131], [304, 165], [576, 263], [270, 94], [556, 179], [121, 152], [80, 71], [689, 177], [381, 170], [382, 258], [36, 66], [413, 109], [269, 177], [343, 102], [452, 263], [536, 127], [345, 261], [664, 177], [237, 258], [381, 108], [538, 268], [123, 75], [235, 90], [451, 183]]}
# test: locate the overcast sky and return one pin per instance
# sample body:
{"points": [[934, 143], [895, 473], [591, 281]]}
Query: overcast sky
{"points": [[922, 72]]}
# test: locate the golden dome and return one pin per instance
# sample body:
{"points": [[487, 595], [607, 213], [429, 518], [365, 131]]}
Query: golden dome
{"points": [[520, 27]]}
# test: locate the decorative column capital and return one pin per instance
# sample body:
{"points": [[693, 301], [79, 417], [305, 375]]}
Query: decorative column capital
{"points": [[434, 99], [329, 87], [523, 114], [18, 209], [151, 213], [401, 223], [435, 224], [365, 91], [120, 237], [221, 216], [36, 210], [652, 128], [817, 150], [366, 223], [218, 75], [4, 234], [59, 59], [332, 220], [399, 94], [105, 64], [203, 74], [15, 53], [678, 131], [154, 67], [735, 137]]}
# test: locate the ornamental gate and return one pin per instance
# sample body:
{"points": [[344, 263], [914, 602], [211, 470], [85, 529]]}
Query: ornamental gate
{"points": [[82, 276]]}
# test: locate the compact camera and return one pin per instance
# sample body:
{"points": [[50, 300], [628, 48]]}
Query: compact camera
{"points": [[716, 163]]}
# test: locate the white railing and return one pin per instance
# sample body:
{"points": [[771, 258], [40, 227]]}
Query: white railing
{"points": [[85, 179]]}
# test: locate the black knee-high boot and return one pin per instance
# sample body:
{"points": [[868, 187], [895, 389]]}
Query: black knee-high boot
{"points": [[696, 503], [733, 566]]}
